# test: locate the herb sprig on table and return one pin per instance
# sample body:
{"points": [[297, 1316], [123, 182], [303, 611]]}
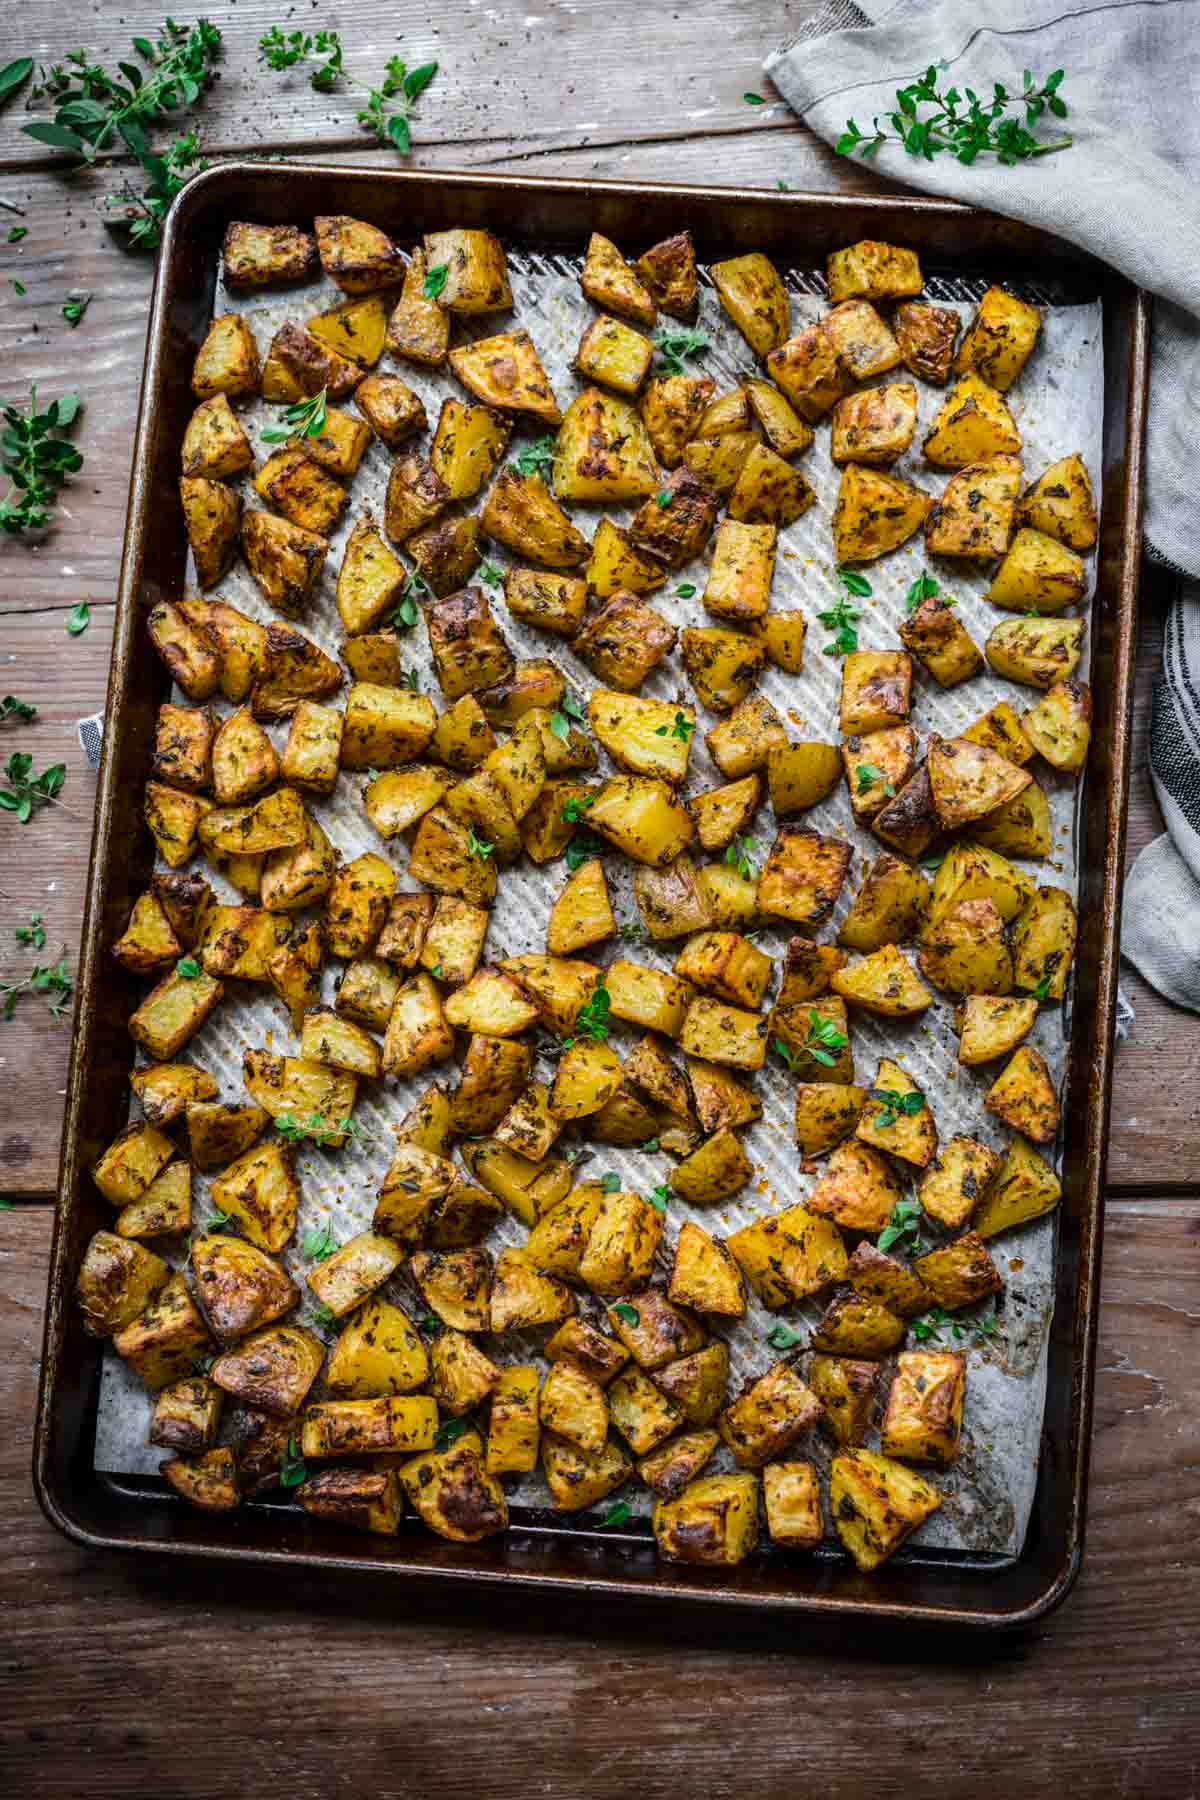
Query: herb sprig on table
{"points": [[37, 460], [53, 981], [388, 110], [963, 125]]}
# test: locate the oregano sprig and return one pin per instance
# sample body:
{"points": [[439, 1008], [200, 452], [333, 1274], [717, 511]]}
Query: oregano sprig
{"points": [[387, 113], [37, 460], [843, 616], [963, 125]]}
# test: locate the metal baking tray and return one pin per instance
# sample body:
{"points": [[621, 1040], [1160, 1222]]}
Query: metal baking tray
{"points": [[543, 1552]]}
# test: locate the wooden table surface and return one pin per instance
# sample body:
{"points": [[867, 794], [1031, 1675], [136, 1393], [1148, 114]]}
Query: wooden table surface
{"points": [[123, 1676]]}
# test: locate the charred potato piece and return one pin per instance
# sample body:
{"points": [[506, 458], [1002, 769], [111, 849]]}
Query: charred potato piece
{"points": [[147, 944], [521, 513], [476, 270], [877, 1503], [614, 354], [454, 1494], [941, 643], [872, 270], [614, 564], [241, 644], [923, 1419], [875, 1275], [310, 757], [972, 872], [603, 452], [298, 487], [418, 1034], [578, 1478], [208, 1482], [926, 336], [861, 339], [789, 1255], [852, 1326], [722, 666], [1024, 1096], [1037, 652], [792, 1499], [954, 1182], [671, 409], [810, 371], [1043, 943], [1060, 504], [909, 823], [356, 256], [416, 497], [668, 270], [227, 361], [285, 559], [621, 1245], [751, 292], [973, 425], [714, 1522], [117, 1281], [467, 446], [826, 1112], [968, 781], [974, 517], [391, 409], [875, 513], [803, 876], [255, 256], [299, 366], [674, 530], [188, 653], [609, 281], [446, 555], [624, 641], [162, 1342], [705, 1275], [999, 340], [966, 951], [768, 1417], [186, 1415], [1059, 727], [1039, 573], [419, 329], [356, 330], [214, 444], [846, 1390], [961, 1273], [217, 1133], [857, 1189], [876, 425], [212, 515], [238, 1286], [361, 1499]]}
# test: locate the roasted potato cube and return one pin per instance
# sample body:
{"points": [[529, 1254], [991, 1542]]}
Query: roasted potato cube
{"points": [[908, 823], [416, 497], [723, 666], [603, 452], [1059, 727], [768, 1417], [876, 425], [803, 876], [148, 943], [491, 1003], [558, 1239], [299, 365], [846, 1390], [209, 1481], [608, 280], [926, 336], [259, 1190], [528, 1126], [792, 1498], [648, 737], [973, 425], [218, 1133], [625, 1120], [974, 516], [810, 371], [671, 408], [972, 872], [621, 1245], [297, 876], [826, 1112], [782, 636], [506, 372], [923, 1419], [475, 268], [1040, 573], [1022, 828], [671, 900], [1023, 1188], [172, 1012], [897, 1117], [1000, 729], [941, 642], [164, 1090], [454, 941], [574, 1407], [715, 1171], [1037, 652], [640, 1411], [392, 410], [999, 340], [560, 987], [446, 555], [581, 1478], [514, 1421], [624, 641], [613, 353], [356, 256], [723, 813], [116, 1283], [955, 1180], [871, 270], [862, 340], [676, 529], [990, 1026], [288, 1085], [647, 997], [285, 559], [789, 1255], [463, 738], [599, 1356], [697, 1384], [186, 1415], [966, 952], [801, 775], [853, 1326], [876, 766], [312, 752], [876, 690], [857, 1189], [239, 1288], [642, 817], [326, 1038], [1025, 1097], [713, 1522], [244, 760], [785, 431], [419, 329], [212, 514], [749, 738], [614, 564], [554, 603], [214, 444], [457, 1284], [354, 1271], [378, 1352], [521, 513], [358, 904], [705, 1276], [227, 361], [668, 270], [162, 1343], [961, 1273], [968, 780], [724, 1034], [522, 1297], [1043, 943], [356, 330], [255, 256], [418, 1034], [367, 992], [276, 822], [727, 965], [668, 1470], [187, 651], [300, 489], [739, 579], [361, 1499], [174, 819], [294, 670], [582, 913], [875, 1504], [807, 970], [817, 1033], [1060, 504], [750, 290], [719, 462], [875, 513], [876, 1276], [527, 1189], [370, 580], [454, 1494], [385, 727], [395, 801], [463, 1376]]}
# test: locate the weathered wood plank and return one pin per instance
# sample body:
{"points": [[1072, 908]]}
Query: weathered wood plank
{"points": [[329, 1690], [564, 73]]}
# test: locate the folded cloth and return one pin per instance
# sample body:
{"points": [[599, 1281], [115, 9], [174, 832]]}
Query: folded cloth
{"points": [[1126, 191]]}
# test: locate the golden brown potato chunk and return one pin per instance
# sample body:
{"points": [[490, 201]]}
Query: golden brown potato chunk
{"points": [[212, 513], [875, 513], [871, 270], [475, 270], [1000, 339], [255, 256], [419, 329], [668, 270], [609, 281], [356, 256], [926, 336], [750, 290], [624, 641], [506, 372]]}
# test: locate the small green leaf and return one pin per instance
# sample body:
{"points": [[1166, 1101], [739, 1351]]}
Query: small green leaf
{"points": [[17, 232], [189, 968], [619, 1514], [664, 498], [686, 589], [610, 1183], [435, 280], [13, 75], [451, 1431], [782, 1337], [79, 619], [292, 1471], [629, 1314], [660, 1197], [754, 100]]}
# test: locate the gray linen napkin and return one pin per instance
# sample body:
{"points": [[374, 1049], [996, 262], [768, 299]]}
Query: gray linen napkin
{"points": [[1127, 192]]}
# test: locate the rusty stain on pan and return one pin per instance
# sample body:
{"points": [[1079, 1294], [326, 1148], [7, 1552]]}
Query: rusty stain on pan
{"points": [[542, 1552]]}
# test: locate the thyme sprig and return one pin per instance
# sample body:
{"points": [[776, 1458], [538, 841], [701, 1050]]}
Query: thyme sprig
{"points": [[962, 124]]}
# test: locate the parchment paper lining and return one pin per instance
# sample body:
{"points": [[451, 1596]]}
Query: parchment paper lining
{"points": [[1058, 404]]}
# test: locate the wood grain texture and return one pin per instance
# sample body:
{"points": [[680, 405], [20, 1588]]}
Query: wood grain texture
{"points": [[126, 1675], [561, 74]]}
